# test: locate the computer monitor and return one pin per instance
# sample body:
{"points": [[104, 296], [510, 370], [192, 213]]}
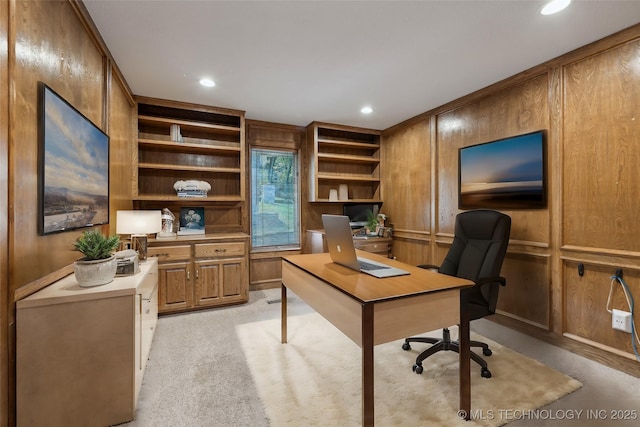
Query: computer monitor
{"points": [[358, 213]]}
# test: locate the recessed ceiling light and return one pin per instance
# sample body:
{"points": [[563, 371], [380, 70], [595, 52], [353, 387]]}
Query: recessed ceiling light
{"points": [[207, 82], [366, 110], [554, 6]]}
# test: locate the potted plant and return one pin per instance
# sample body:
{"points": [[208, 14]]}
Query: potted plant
{"points": [[99, 264], [372, 223]]}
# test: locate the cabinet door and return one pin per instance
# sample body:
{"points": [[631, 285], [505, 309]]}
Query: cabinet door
{"points": [[207, 288], [220, 281], [233, 278], [174, 285]]}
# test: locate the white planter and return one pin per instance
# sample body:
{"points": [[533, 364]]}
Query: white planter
{"points": [[96, 272]]}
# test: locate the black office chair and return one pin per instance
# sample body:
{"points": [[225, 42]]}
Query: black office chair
{"points": [[478, 249]]}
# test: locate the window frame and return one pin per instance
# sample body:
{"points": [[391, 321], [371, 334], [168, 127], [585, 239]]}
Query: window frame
{"points": [[298, 195]]}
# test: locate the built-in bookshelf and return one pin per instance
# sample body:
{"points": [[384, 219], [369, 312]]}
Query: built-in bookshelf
{"points": [[183, 142], [344, 155]]}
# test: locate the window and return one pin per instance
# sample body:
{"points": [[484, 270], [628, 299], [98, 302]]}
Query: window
{"points": [[275, 211]]}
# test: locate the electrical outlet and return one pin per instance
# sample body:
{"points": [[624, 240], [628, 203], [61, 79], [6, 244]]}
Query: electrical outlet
{"points": [[621, 320]]}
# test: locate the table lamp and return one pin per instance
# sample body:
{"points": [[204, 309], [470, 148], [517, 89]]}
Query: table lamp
{"points": [[138, 224]]}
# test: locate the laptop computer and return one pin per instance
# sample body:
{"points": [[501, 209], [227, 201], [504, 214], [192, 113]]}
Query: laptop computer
{"points": [[343, 252]]}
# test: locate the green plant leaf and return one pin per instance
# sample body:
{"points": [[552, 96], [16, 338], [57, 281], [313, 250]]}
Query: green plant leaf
{"points": [[94, 245]]}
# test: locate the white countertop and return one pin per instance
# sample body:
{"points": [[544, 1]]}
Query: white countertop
{"points": [[67, 289]]}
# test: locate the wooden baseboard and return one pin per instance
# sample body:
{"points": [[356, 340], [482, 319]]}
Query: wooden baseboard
{"points": [[270, 284], [612, 360]]}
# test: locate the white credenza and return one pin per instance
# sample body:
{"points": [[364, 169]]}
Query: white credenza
{"points": [[81, 352]]}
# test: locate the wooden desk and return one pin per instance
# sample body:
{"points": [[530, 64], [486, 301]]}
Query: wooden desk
{"points": [[373, 311]]}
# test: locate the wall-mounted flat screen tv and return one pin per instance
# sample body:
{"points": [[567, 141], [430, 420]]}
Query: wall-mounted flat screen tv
{"points": [[504, 174]]}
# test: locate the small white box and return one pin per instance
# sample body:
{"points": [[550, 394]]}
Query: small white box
{"points": [[621, 320]]}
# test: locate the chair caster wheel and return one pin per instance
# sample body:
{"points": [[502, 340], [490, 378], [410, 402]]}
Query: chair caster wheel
{"points": [[487, 351], [406, 346], [485, 373], [417, 369]]}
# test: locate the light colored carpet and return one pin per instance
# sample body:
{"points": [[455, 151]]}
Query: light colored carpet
{"points": [[315, 379]]}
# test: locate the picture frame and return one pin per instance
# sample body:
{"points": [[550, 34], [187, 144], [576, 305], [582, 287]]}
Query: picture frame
{"points": [[73, 167], [508, 173], [191, 220]]}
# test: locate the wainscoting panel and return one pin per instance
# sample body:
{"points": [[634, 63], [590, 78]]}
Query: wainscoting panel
{"points": [[527, 295], [586, 314], [411, 251], [266, 269]]}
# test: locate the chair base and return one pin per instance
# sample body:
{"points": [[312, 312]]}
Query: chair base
{"points": [[445, 344]]}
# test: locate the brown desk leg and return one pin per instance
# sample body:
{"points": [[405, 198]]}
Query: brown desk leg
{"points": [[283, 314], [465, 360], [367, 365]]}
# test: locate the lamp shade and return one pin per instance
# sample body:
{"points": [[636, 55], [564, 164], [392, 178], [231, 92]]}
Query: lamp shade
{"points": [[138, 222]]}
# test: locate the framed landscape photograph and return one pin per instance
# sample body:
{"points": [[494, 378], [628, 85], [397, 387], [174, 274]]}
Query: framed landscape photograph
{"points": [[73, 167], [508, 173]]}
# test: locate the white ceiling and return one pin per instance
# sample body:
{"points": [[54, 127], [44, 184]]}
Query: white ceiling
{"points": [[295, 62]]}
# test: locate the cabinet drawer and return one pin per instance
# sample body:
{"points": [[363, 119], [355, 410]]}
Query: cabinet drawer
{"points": [[372, 246], [215, 250], [170, 253], [149, 283]]}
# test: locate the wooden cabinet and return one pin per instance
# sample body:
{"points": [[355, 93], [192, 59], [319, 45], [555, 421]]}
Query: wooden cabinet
{"points": [[220, 269], [198, 272], [317, 242], [344, 155], [82, 352], [182, 142]]}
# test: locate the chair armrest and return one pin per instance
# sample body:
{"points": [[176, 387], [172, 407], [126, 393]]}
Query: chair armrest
{"points": [[486, 280]]}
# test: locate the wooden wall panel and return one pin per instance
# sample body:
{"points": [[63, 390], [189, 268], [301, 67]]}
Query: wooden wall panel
{"points": [[53, 42], [411, 251], [407, 159], [122, 113], [527, 295], [516, 110], [586, 301], [266, 269], [4, 215], [54, 47], [602, 150], [587, 101]]}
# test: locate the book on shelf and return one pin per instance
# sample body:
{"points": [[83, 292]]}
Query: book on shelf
{"points": [[190, 231], [192, 194]]}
